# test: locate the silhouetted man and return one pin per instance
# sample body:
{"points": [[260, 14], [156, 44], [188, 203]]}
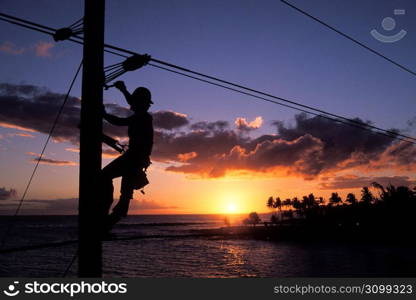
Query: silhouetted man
{"points": [[132, 164]]}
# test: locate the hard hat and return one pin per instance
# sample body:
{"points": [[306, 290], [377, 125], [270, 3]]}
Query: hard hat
{"points": [[143, 93]]}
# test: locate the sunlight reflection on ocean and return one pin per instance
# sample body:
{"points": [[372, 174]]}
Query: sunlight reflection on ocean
{"points": [[166, 254]]}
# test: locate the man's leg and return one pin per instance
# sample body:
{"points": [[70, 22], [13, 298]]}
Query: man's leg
{"points": [[111, 171], [133, 178], [122, 207]]}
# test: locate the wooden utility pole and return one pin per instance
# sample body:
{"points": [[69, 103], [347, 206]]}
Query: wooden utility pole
{"points": [[90, 218]]}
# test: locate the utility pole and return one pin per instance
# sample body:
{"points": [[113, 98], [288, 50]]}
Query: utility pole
{"points": [[90, 218]]}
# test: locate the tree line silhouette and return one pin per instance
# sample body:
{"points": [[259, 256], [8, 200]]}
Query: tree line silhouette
{"points": [[386, 214]]}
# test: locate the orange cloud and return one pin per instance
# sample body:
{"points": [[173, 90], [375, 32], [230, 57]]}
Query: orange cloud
{"points": [[107, 152], [110, 153], [50, 161], [76, 150], [22, 134], [301, 156], [243, 124], [43, 49], [14, 126], [310, 147], [11, 48], [184, 157]]}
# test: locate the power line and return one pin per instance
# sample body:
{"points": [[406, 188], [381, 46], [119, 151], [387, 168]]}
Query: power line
{"points": [[320, 111], [28, 22], [292, 104], [362, 126], [42, 153], [333, 117], [23, 25], [350, 38], [44, 29], [69, 266]]}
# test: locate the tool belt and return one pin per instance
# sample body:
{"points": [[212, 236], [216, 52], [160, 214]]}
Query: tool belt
{"points": [[139, 180]]}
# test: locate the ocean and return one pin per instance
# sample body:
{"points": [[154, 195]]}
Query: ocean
{"points": [[163, 246]]}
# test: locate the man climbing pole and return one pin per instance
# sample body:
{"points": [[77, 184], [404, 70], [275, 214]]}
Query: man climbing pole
{"points": [[130, 166]]}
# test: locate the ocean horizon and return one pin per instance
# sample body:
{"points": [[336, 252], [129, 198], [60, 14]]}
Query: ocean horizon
{"points": [[161, 246]]}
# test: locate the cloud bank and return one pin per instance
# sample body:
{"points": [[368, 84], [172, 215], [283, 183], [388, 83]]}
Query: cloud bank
{"points": [[351, 181], [311, 147]]}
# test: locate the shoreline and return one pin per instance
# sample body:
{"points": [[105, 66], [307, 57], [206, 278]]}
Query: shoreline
{"points": [[305, 233]]}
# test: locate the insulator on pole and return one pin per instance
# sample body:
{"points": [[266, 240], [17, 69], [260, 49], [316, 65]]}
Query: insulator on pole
{"points": [[135, 62], [132, 63], [62, 34], [67, 32]]}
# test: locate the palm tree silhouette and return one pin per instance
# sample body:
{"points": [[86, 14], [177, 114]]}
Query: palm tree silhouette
{"points": [[273, 204], [287, 202], [366, 196], [360, 220], [335, 199], [270, 203], [390, 193], [310, 201], [351, 199], [278, 204], [297, 205]]}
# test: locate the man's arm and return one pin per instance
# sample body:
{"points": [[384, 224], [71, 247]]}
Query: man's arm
{"points": [[116, 120], [122, 88]]}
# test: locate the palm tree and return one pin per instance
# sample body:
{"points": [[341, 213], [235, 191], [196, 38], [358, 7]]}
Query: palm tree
{"points": [[297, 205], [311, 201], [398, 194], [366, 195], [278, 204], [270, 203], [287, 202], [382, 192], [335, 199], [351, 199]]}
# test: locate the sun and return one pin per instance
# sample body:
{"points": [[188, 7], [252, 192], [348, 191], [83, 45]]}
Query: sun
{"points": [[231, 208], [231, 202]]}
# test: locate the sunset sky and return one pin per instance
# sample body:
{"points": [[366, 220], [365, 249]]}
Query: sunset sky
{"points": [[215, 151]]}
